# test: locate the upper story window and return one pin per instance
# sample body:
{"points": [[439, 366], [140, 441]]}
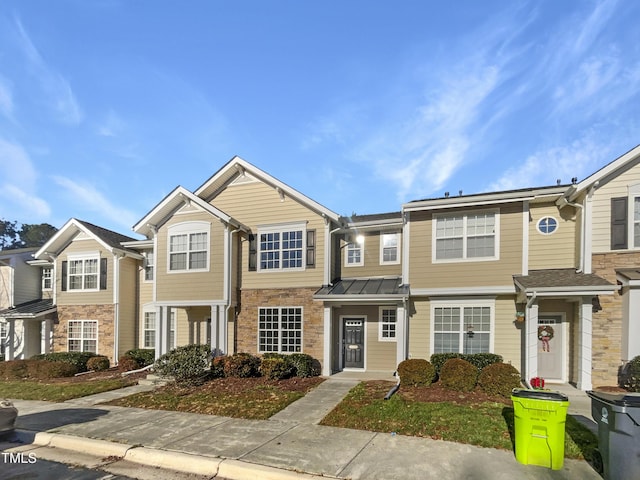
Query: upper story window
{"points": [[189, 247], [547, 225], [282, 248], [47, 278], [149, 265], [472, 236], [83, 273], [390, 248], [354, 253]]}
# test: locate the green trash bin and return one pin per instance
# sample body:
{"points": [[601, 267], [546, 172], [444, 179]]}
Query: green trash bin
{"points": [[618, 418], [539, 425]]}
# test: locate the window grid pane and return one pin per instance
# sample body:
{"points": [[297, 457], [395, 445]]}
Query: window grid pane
{"points": [[388, 323], [474, 329], [82, 336], [280, 329]]}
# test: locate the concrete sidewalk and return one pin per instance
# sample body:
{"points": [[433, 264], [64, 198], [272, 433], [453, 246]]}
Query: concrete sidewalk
{"points": [[290, 445]]}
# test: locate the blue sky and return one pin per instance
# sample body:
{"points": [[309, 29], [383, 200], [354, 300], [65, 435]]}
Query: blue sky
{"points": [[107, 105]]}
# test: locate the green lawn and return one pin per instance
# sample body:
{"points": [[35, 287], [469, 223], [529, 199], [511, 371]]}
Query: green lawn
{"points": [[486, 424], [58, 391]]}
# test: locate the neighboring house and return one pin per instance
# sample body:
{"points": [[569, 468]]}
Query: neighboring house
{"points": [[94, 289], [547, 277], [26, 308]]}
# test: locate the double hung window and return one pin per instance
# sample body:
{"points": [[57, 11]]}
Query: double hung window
{"points": [[462, 328], [387, 322], [47, 278], [282, 248], [83, 273], [189, 247], [280, 329], [83, 336], [466, 236], [390, 248]]}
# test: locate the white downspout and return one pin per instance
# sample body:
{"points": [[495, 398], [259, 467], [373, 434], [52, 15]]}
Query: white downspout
{"points": [[227, 279], [116, 304]]}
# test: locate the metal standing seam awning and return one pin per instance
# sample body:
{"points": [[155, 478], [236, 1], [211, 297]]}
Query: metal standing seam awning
{"points": [[29, 310], [358, 289]]}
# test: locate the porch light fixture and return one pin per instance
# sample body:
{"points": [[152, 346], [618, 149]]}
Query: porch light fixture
{"points": [[595, 305]]}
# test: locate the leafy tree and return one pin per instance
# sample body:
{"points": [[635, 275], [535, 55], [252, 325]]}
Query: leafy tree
{"points": [[27, 235]]}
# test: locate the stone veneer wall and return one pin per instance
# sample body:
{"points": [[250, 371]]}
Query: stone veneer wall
{"points": [[607, 323], [104, 314], [312, 321]]}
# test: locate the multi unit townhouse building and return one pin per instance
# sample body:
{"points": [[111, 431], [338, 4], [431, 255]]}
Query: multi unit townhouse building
{"points": [[547, 277]]}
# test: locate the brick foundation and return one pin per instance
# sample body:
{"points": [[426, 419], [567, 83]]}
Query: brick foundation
{"points": [[607, 323], [246, 339], [104, 314]]}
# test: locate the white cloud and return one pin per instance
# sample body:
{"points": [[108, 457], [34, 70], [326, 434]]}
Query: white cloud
{"points": [[57, 90], [6, 99], [19, 185], [112, 125], [92, 200]]}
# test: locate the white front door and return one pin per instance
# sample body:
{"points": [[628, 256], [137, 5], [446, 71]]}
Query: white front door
{"points": [[551, 347]]}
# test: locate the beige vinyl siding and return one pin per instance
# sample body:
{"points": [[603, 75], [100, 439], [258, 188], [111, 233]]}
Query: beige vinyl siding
{"points": [[27, 280], [371, 257], [378, 355], [420, 329], [256, 204], [555, 250], [425, 274], [601, 212], [507, 335], [128, 304], [6, 287], [81, 246], [185, 286]]}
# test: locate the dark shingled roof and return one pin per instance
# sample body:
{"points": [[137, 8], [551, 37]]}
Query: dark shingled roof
{"points": [[559, 277], [111, 238], [630, 273], [31, 309], [382, 287], [372, 217]]}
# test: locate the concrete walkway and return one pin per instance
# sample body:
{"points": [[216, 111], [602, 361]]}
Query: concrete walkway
{"points": [[289, 445]]}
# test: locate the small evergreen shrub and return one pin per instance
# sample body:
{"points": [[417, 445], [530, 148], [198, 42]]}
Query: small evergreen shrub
{"points": [[482, 360], [143, 356], [439, 359], [36, 370], [79, 359], [276, 368], [57, 369], [127, 363], [458, 374], [14, 370], [242, 365], [631, 379], [99, 363], [416, 372], [499, 379], [187, 364], [305, 365], [217, 366]]}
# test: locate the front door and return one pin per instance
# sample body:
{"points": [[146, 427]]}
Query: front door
{"points": [[353, 342], [550, 347]]}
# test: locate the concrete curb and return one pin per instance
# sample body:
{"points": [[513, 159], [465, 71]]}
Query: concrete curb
{"points": [[153, 457]]}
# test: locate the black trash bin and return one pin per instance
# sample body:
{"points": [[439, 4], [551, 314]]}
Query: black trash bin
{"points": [[618, 418]]}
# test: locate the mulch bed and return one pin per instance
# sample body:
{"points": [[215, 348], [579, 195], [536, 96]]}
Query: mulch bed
{"points": [[234, 385], [110, 374]]}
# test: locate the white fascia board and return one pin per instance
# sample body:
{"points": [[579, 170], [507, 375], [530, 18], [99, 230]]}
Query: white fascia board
{"points": [[627, 282], [138, 244], [368, 299], [188, 303], [63, 236], [482, 199], [455, 291], [273, 182], [574, 291], [606, 171]]}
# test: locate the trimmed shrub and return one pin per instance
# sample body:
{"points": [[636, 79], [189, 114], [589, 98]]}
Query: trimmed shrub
{"points": [[458, 374], [142, 356], [304, 365], [242, 365], [499, 379], [14, 370], [36, 370], [79, 359], [479, 360], [217, 366], [187, 365], [126, 364], [416, 372], [99, 363], [276, 368], [632, 375]]}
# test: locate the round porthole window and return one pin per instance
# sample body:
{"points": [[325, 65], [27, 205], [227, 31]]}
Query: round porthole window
{"points": [[547, 225]]}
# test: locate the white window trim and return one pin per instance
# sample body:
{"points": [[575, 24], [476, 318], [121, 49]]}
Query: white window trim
{"points": [[50, 278], [398, 249], [633, 193], [466, 259], [82, 337], [188, 228], [544, 218], [380, 325], [461, 303], [353, 244], [146, 265], [280, 308], [83, 257], [143, 330], [280, 228]]}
